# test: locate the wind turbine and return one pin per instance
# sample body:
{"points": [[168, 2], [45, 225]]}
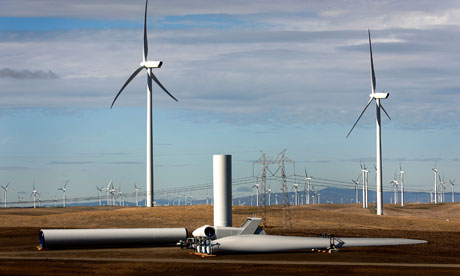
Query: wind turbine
{"points": [[269, 193], [377, 96], [257, 198], [452, 183], [34, 193], [5, 188], [296, 188], [435, 184], [137, 192], [401, 175], [63, 189], [120, 196], [307, 188], [100, 194], [148, 66], [108, 188], [190, 197], [441, 186], [363, 171], [356, 188]]}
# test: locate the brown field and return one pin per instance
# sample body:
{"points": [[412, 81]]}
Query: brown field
{"points": [[438, 224]]}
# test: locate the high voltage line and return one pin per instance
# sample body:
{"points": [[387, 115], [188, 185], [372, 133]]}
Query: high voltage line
{"points": [[291, 179]]}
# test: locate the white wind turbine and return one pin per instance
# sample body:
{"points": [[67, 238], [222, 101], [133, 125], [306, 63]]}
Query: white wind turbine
{"points": [[307, 188], [442, 187], [137, 192], [108, 188], [5, 188], [377, 96], [269, 195], [452, 184], [100, 194], [63, 189], [34, 193], [435, 184], [395, 190], [148, 66], [364, 178], [296, 188], [257, 198], [178, 200], [401, 175], [356, 188]]}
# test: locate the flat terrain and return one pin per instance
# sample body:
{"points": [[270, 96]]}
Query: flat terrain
{"points": [[438, 224]]}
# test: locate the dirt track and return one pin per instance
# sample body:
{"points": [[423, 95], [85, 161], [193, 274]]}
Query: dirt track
{"points": [[19, 236]]}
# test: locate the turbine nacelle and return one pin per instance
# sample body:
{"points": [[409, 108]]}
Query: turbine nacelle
{"points": [[379, 95], [151, 64]]}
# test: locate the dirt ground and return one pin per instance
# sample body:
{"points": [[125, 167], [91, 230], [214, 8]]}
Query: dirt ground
{"points": [[438, 224]]}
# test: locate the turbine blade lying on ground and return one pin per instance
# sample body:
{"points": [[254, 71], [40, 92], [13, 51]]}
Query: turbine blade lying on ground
{"points": [[360, 115], [133, 75]]}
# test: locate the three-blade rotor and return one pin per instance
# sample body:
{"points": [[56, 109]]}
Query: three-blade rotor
{"points": [[373, 95], [145, 64]]}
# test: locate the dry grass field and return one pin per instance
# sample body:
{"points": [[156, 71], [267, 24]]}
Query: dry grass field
{"points": [[438, 224]]}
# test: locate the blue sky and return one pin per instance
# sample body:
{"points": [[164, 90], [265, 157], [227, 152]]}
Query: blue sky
{"points": [[263, 75]]}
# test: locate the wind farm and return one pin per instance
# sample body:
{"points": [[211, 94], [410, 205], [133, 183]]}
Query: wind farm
{"points": [[252, 167]]}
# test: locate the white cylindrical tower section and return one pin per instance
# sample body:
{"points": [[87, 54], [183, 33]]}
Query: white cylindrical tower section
{"points": [[222, 179]]}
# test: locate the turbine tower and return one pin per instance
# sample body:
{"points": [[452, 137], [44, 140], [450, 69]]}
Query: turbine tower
{"points": [[377, 96], [148, 66], [34, 193], [137, 192], [257, 198], [296, 188], [307, 188], [109, 186], [356, 188], [401, 175], [100, 194], [5, 188], [63, 189], [452, 183], [435, 184]]}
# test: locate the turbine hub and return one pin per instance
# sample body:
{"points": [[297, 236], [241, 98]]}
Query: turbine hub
{"points": [[152, 64]]}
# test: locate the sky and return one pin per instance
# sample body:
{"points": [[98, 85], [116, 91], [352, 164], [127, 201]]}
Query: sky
{"points": [[249, 76]]}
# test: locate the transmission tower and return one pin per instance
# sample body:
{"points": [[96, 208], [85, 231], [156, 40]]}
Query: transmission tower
{"points": [[280, 161]]}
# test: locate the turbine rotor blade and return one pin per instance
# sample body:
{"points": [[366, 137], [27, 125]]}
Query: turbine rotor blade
{"points": [[360, 115], [381, 106], [373, 81], [133, 75], [146, 46], [160, 85]]}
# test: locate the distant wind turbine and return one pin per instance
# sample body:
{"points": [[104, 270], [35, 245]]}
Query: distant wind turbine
{"points": [[100, 194], [307, 188], [137, 192], [452, 183], [401, 175], [34, 193], [377, 96], [435, 184], [148, 66], [356, 188], [257, 187], [63, 189], [5, 188], [296, 188]]}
